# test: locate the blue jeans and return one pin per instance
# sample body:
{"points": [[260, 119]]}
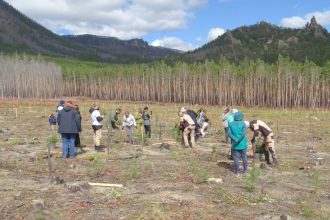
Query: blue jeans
{"points": [[237, 155], [68, 139]]}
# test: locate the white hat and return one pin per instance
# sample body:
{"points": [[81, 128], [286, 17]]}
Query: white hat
{"points": [[234, 110], [182, 109], [247, 123]]}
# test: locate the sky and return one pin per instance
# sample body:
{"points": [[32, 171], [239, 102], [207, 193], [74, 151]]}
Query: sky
{"points": [[178, 24]]}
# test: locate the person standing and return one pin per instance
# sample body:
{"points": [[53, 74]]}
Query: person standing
{"points": [[268, 146], [139, 121], [224, 117], [68, 121], [113, 121], [229, 120], [96, 119], [52, 121], [77, 141], [129, 124], [203, 121], [188, 127], [237, 134], [60, 105], [113, 126], [146, 121]]}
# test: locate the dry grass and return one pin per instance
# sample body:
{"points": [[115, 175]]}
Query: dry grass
{"points": [[161, 184]]}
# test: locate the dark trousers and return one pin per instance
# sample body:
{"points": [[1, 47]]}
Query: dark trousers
{"points": [[237, 155], [77, 140], [147, 130]]}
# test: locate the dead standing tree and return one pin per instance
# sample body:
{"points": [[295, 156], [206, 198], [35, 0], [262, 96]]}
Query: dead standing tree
{"points": [[253, 84]]}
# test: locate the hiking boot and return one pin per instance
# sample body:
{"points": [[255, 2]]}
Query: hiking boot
{"points": [[275, 161]]}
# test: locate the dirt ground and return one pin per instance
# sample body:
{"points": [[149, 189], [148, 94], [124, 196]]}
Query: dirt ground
{"points": [[161, 181]]}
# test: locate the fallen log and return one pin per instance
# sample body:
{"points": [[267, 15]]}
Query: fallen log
{"points": [[107, 185]]}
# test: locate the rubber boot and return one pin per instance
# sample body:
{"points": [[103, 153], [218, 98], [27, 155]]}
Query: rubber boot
{"points": [[267, 157]]}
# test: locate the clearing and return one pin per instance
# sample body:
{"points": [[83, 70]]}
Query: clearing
{"points": [[161, 182]]}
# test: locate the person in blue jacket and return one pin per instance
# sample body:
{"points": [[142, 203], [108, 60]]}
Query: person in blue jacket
{"points": [[239, 144], [52, 121], [69, 125]]}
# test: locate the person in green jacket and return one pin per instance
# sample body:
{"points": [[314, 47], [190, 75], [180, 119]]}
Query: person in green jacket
{"points": [[239, 144], [113, 121]]}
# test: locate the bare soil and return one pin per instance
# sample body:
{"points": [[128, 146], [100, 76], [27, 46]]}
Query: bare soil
{"points": [[161, 183]]}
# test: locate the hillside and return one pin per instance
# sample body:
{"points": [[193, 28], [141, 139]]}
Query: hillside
{"points": [[114, 49], [266, 42], [19, 33]]}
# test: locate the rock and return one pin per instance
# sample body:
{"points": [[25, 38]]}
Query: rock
{"points": [[77, 186], [38, 203], [215, 180], [320, 161], [57, 180], [164, 146], [285, 217]]}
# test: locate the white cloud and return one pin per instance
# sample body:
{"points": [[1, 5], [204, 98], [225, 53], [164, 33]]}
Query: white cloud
{"points": [[199, 39], [293, 22], [214, 33], [124, 19], [174, 43], [322, 18]]}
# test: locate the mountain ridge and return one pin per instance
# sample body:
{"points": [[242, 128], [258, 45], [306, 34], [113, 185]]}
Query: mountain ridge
{"points": [[264, 41], [19, 33], [267, 42]]}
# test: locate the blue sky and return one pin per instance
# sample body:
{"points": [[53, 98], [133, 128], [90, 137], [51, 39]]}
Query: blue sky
{"points": [[179, 24]]}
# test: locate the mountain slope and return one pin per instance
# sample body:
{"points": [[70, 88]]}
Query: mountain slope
{"points": [[266, 42], [113, 48], [18, 33]]}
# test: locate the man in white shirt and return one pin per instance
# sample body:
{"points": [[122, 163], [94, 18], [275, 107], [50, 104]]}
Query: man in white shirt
{"points": [[96, 119], [129, 124]]}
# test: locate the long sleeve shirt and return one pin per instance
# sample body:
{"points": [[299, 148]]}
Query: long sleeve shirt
{"points": [[129, 121], [186, 118], [259, 126]]}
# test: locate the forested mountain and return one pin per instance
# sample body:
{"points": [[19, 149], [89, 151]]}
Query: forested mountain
{"points": [[19, 33], [267, 42], [112, 48], [262, 41]]}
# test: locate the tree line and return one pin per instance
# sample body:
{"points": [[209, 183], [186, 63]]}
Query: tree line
{"points": [[284, 84]]}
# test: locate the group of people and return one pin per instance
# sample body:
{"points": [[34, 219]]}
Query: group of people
{"points": [[235, 129], [193, 125], [69, 125]]}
